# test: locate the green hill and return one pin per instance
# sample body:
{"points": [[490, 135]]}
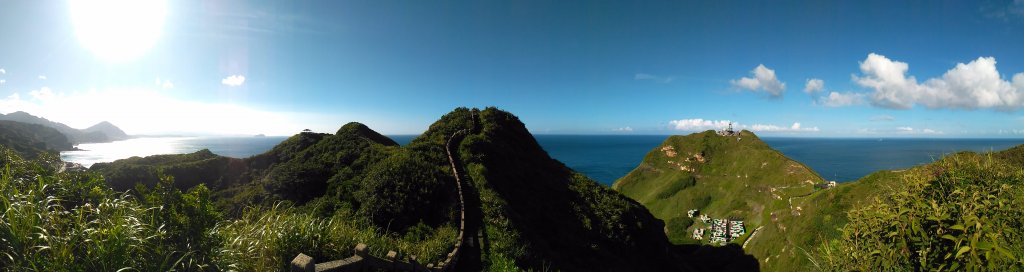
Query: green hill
{"points": [[98, 133], [301, 168], [524, 210], [959, 212], [737, 177], [723, 177], [912, 219], [538, 214], [30, 140]]}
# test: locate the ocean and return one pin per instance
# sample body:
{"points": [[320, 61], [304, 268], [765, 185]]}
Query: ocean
{"points": [[238, 147], [605, 158]]}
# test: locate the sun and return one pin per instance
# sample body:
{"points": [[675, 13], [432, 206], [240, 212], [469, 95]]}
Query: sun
{"points": [[118, 30]]}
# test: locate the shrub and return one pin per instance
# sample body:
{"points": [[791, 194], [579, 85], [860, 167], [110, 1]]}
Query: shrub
{"points": [[402, 190], [961, 213]]}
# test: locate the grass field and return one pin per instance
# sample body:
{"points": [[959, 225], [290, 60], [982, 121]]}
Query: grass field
{"points": [[735, 177]]}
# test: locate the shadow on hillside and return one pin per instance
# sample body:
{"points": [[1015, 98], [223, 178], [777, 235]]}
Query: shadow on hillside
{"points": [[718, 258]]}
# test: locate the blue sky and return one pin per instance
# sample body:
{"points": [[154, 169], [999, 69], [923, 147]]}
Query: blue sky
{"points": [[886, 68]]}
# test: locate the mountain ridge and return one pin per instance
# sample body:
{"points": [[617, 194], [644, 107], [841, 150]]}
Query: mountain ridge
{"points": [[100, 132], [736, 177], [535, 213], [30, 140]]}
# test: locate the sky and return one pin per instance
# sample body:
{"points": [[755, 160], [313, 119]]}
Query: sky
{"points": [[950, 69]]}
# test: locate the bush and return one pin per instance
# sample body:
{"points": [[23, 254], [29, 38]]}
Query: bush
{"points": [[677, 229], [403, 190], [961, 213], [266, 240], [71, 222]]}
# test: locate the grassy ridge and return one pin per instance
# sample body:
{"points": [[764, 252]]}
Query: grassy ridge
{"points": [[865, 224], [320, 194], [961, 212], [30, 140], [73, 221], [951, 214], [791, 241], [737, 177], [541, 215]]}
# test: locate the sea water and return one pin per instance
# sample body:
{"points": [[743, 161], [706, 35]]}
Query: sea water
{"points": [[605, 158], [238, 147]]}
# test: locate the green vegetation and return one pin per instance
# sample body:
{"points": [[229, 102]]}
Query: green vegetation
{"points": [[540, 215], [320, 194], [72, 221], [101, 132], [959, 213], [738, 177], [402, 190], [266, 240], [189, 170], [31, 140], [317, 194], [962, 212]]}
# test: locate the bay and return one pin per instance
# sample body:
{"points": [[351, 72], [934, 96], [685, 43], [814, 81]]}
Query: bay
{"points": [[238, 147]]}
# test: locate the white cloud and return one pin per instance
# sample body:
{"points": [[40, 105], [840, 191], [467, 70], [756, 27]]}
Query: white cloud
{"points": [[624, 129], [3, 71], [147, 111], [814, 85], [795, 127], [837, 99], [44, 94], [866, 131], [699, 124], [233, 80], [41, 77], [910, 130], [883, 118], [2, 81], [662, 79], [763, 80], [974, 85], [164, 84]]}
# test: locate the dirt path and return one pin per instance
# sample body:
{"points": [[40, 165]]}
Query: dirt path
{"points": [[751, 237]]}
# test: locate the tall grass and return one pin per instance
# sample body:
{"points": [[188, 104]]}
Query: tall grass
{"points": [[266, 240], [960, 213], [68, 222], [73, 221]]}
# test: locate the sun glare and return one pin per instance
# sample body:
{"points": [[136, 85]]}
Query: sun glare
{"points": [[118, 30]]}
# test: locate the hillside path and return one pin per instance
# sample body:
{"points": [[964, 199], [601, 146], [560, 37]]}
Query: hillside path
{"points": [[472, 238]]}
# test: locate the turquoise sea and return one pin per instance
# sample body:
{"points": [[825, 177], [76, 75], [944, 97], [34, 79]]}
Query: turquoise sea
{"points": [[605, 158]]}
